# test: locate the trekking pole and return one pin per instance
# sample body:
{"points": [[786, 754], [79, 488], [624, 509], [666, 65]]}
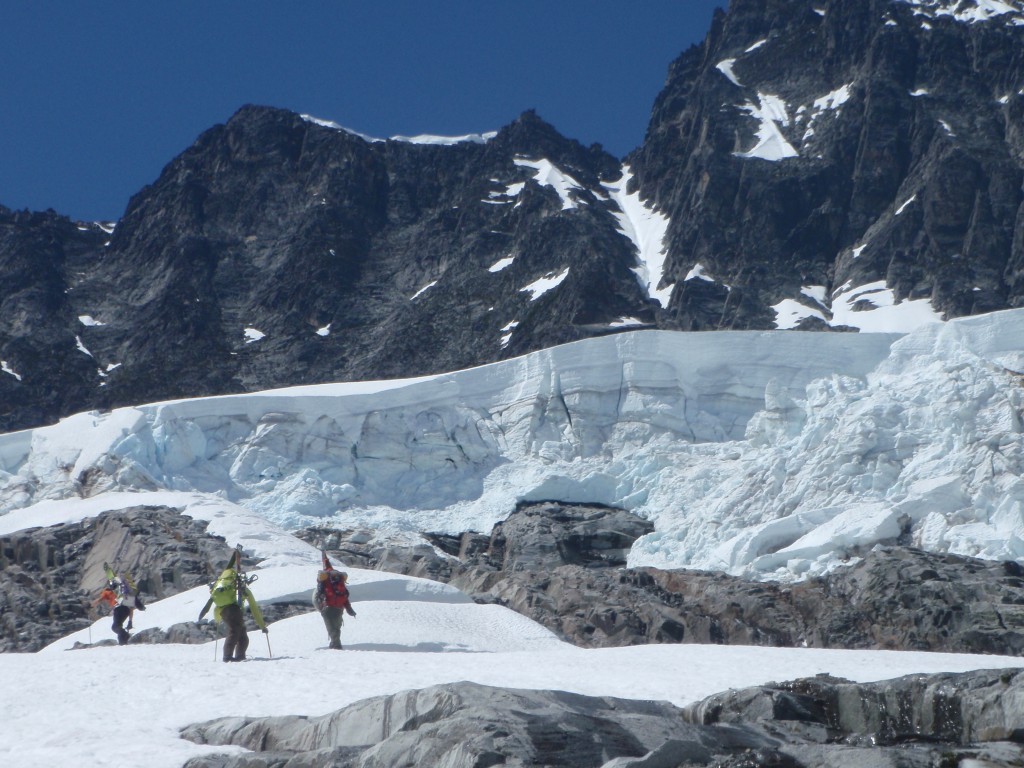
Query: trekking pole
{"points": [[216, 632], [267, 635]]}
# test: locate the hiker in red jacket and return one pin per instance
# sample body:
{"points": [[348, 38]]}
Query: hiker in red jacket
{"points": [[331, 598]]}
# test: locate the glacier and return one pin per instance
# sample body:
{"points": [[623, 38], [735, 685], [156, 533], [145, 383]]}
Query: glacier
{"points": [[770, 455]]}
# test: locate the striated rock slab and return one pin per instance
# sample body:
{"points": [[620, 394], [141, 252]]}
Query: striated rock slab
{"points": [[49, 576], [973, 718], [462, 724]]}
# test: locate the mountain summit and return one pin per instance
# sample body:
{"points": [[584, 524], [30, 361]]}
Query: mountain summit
{"points": [[817, 159], [829, 165]]}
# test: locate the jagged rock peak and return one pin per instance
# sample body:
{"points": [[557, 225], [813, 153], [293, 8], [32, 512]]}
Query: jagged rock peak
{"points": [[822, 159]]}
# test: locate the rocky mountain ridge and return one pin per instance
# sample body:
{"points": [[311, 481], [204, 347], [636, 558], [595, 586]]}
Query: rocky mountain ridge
{"points": [[815, 165]]}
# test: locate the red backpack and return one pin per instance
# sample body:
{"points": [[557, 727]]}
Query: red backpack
{"points": [[334, 589]]}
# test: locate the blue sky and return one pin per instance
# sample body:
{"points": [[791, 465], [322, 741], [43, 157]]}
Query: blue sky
{"points": [[97, 97]]}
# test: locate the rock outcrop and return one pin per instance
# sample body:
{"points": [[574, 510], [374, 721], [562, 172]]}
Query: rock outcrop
{"points": [[841, 156], [278, 250], [50, 576], [564, 566], [973, 718]]}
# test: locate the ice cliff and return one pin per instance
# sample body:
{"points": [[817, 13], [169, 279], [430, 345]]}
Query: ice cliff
{"points": [[767, 454]]}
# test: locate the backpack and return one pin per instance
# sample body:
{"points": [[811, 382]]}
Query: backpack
{"points": [[334, 590], [225, 589]]}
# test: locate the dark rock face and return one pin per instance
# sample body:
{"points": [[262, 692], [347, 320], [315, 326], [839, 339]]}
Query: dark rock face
{"points": [[463, 724], [903, 127], [326, 244], [50, 576], [563, 566], [42, 256], [821, 722], [973, 718]]}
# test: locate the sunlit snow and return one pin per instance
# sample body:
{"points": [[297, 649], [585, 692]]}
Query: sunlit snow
{"points": [[6, 368], [627, 322], [549, 282], [506, 331], [646, 228], [408, 634], [335, 126], [548, 175], [81, 347], [835, 99], [789, 313], [501, 264], [253, 334], [725, 67], [698, 272], [472, 138], [971, 11], [430, 139], [903, 207], [89, 321], [426, 287], [885, 314], [771, 144]]}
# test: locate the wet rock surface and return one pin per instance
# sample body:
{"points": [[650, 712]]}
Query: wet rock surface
{"points": [[974, 718]]}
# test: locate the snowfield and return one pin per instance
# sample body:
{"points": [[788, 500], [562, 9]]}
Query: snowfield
{"points": [[116, 706]]}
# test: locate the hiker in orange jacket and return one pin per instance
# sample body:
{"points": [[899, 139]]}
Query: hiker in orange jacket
{"points": [[118, 596]]}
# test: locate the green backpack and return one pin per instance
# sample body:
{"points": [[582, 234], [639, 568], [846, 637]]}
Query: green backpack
{"points": [[225, 589]]}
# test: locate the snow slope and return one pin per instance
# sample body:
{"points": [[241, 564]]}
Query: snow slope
{"points": [[117, 706], [766, 454]]}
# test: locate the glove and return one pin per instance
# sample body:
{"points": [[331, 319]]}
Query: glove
{"points": [[349, 611]]}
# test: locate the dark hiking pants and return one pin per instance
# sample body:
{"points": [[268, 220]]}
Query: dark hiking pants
{"points": [[237, 639], [121, 612], [333, 621]]}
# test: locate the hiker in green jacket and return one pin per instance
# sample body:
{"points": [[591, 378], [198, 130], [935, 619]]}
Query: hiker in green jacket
{"points": [[227, 594]]}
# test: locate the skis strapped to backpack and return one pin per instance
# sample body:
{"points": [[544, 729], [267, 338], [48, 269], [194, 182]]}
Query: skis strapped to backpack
{"points": [[127, 588], [242, 581]]}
